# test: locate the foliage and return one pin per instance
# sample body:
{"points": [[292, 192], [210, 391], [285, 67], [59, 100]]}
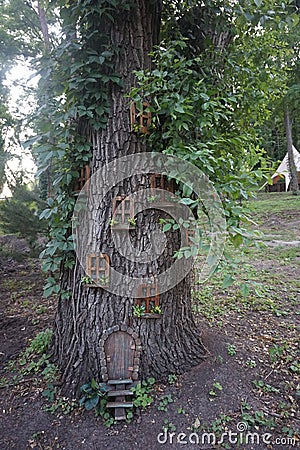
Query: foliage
{"points": [[86, 280], [73, 99], [40, 343], [138, 310], [211, 123], [132, 221], [93, 393], [142, 391], [164, 401], [19, 214], [216, 387], [35, 358], [206, 105], [172, 378], [95, 397], [6, 123], [156, 309]]}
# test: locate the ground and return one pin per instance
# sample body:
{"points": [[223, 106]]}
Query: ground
{"points": [[250, 378]]}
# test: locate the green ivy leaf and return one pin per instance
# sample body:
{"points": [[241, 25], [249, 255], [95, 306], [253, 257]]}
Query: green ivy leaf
{"points": [[227, 281], [91, 403]]}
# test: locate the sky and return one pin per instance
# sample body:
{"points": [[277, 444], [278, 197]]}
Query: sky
{"points": [[19, 79]]}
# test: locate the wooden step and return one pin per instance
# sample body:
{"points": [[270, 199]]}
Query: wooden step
{"points": [[116, 393], [129, 381], [119, 405], [121, 416]]}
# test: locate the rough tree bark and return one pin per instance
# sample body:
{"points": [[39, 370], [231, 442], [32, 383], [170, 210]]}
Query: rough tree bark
{"points": [[294, 187], [172, 343]]}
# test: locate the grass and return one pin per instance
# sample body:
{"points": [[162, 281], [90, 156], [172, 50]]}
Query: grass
{"points": [[273, 202], [264, 318]]}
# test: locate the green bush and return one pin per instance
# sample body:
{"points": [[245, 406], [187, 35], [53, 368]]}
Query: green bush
{"points": [[19, 214]]}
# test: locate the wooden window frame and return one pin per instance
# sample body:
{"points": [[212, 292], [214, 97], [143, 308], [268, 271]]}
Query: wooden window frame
{"points": [[98, 268], [140, 121], [122, 215], [145, 298], [164, 184], [83, 179]]}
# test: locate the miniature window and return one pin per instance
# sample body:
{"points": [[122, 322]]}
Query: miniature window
{"points": [[148, 297], [123, 209], [98, 268], [140, 120], [158, 181], [84, 176]]}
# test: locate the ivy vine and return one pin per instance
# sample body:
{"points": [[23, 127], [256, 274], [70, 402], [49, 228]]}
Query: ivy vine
{"points": [[73, 102]]}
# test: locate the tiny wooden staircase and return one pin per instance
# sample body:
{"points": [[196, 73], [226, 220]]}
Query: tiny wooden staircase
{"points": [[120, 389]]}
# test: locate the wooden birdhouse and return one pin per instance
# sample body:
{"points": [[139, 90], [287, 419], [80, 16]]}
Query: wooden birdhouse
{"points": [[83, 179], [140, 120], [149, 301], [123, 213], [97, 269]]}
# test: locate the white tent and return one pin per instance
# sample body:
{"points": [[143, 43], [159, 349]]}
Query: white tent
{"points": [[283, 169]]}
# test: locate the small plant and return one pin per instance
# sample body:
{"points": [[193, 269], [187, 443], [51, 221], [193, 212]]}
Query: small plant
{"points": [[216, 387], [132, 221], [113, 222], [168, 426], [86, 280], [231, 350], [156, 310], [50, 392], [141, 391], [250, 363], [260, 384], [172, 378], [129, 415], [104, 281], [3, 382], [40, 343], [180, 410], [93, 393], [61, 405], [295, 367], [219, 359], [254, 418], [284, 410], [34, 357], [275, 352], [290, 431], [166, 399], [138, 310], [153, 198], [50, 372]]}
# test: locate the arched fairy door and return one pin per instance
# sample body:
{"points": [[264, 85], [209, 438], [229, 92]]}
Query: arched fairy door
{"points": [[119, 350]]}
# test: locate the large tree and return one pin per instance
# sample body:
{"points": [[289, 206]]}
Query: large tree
{"points": [[84, 322], [203, 109], [206, 106]]}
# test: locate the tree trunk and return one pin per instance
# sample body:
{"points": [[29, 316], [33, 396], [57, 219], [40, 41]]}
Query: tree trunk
{"points": [[91, 327], [294, 187], [44, 26]]}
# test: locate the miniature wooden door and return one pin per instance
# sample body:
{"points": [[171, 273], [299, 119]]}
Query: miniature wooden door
{"points": [[119, 350]]}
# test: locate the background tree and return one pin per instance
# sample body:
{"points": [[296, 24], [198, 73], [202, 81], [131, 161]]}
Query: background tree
{"points": [[6, 122]]}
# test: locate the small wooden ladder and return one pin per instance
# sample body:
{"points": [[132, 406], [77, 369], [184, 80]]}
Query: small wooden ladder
{"points": [[120, 389]]}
